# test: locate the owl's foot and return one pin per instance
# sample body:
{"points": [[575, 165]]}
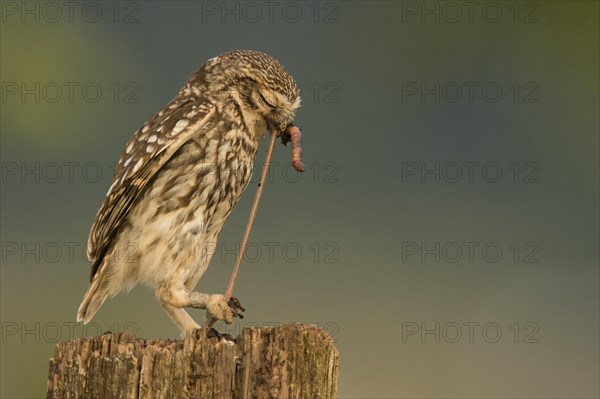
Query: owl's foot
{"points": [[218, 308], [236, 307], [212, 333]]}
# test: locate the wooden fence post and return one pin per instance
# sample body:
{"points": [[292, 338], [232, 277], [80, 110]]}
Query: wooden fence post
{"points": [[285, 361]]}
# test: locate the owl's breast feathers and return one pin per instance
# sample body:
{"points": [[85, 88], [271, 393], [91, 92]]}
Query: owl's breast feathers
{"points": [[203, 158]]}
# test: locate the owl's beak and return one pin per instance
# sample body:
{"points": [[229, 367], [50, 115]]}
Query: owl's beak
{"points": [[285, 134]]}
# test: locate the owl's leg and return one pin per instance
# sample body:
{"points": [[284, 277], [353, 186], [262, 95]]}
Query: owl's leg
{"points": [[216, 305], [180, 317]]}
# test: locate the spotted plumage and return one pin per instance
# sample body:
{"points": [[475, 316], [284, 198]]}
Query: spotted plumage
{"points": [[179, 178]]}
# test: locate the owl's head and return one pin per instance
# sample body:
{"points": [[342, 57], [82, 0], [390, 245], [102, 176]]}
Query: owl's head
{"points": [[260, 82]]}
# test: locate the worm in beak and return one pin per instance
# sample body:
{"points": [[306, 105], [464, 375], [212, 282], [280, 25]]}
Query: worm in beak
{"points": [[292, 133]]}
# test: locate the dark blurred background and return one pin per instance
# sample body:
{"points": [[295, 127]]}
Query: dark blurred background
{"points": [[445, 232]]}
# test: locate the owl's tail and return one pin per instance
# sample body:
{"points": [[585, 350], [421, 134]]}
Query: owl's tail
{"points": [[95, 296]]}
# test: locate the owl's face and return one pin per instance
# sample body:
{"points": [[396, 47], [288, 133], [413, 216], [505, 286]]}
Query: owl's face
{"points": [[274, 105], [260, 83]]}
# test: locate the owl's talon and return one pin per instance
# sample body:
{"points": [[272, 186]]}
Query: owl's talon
{"points": [[213, 333], [236, 307], [218, 308]]}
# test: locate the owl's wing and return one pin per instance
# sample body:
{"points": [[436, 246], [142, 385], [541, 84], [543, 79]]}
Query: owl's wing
{"points": [[145, 154]]}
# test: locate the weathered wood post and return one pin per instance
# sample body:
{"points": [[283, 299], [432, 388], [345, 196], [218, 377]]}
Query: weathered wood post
{"points": [[286, 361]]}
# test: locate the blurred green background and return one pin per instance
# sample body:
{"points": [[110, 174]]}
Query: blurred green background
{"points": [[433, 284]]}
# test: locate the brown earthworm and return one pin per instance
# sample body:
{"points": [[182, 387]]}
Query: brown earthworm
{"points": [[296, 138]]}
